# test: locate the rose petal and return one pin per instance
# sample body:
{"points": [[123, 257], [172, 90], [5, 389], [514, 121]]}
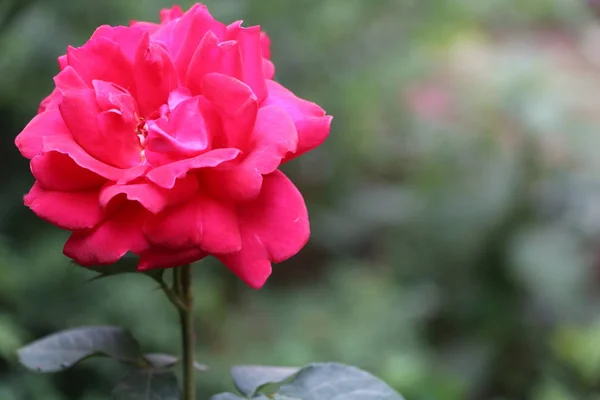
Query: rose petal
{"points": [[197, 22], [62, 62], [149, 27], [273, 138], [102, 59], [110, 240], [212, 56], [157, 257], [250, 45], [117, 143], [50, 102], [236, 183], [265, 45], [106, 135], [150, 196], [67, 210], [166, 175], [57, 171], [311, 122], [128, 38], [66, 145], [155, 77], [68, 80], [111, 97], [30, 141], [202, 222], [183, 135], [169, 14], [268, 69], [236, 103], [273, 227]]}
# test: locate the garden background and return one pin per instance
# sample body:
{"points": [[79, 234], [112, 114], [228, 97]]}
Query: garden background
{"points": [[455, 207]]}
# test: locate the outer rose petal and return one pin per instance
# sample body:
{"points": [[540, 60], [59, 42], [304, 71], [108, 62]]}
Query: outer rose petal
{"points": [[237, 183], [110, 240], [30, 141], [265, 45], [310, 119], [268, 68], [169, 14], [57, 171], [66, 145], [274, 227], [201, 223], [50, 102], [62, 62], [67, 210], [157, 257]]}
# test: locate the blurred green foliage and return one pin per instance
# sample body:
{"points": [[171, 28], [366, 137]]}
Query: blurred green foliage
{"points": [[455, 207]]}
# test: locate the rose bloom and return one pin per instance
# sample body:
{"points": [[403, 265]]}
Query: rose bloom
{"points": [[164, 140]]}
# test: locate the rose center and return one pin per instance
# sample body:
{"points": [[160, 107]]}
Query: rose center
{"points": [[141, 131]]}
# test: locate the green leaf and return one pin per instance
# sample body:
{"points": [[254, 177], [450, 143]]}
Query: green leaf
{"points": [[331, 380], [249, 378], [124, 266], [227, 396], [64, 349], [149, 384], [161, 360]]}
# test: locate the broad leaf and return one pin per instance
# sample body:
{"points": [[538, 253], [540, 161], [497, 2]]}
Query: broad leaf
{"points": [[147, 385], [64, 349], [227, 396], [336, 381], [161, 360], [249, 378]]}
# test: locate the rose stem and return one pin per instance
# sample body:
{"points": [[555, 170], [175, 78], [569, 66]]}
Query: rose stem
{"points": [[182, 285]]}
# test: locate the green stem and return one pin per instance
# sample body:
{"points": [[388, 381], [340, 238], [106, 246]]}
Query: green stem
{"points": [[182, 285], [172, 295]]}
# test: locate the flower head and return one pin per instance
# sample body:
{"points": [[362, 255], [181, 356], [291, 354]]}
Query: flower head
{"points": [[164, 140]]}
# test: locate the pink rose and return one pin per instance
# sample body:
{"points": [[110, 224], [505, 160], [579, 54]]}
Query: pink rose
{"points": [[164, 140]]}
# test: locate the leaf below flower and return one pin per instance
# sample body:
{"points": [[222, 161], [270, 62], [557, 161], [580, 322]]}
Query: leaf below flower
{"points": [[147, 384], [64, 349], [161, 360], [249, 378], [331, 380]]}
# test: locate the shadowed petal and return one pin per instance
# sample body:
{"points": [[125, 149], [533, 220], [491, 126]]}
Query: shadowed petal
{"points": [[67, 210], [158, 257], [110, 240], [202, 223], [57, 171]]}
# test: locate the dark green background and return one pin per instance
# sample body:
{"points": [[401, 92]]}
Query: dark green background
{"points": [[455, 207]]}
